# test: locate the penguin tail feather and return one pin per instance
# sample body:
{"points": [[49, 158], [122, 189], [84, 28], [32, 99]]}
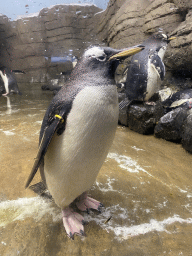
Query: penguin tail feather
{"points": [[41, 189], [124, 103]]}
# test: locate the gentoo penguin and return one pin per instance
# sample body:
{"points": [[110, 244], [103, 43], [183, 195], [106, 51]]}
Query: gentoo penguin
{"points": [[146, 69], [9, 81], [77, 132]]}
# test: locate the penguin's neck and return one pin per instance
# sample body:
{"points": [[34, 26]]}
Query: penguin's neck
{"points": [[92, 75]]}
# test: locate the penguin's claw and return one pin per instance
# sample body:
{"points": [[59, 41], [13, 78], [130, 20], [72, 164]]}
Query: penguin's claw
{"points": [[73, 223], [85, 203]]}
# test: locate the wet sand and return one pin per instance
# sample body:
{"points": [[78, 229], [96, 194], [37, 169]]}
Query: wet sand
{"points": [[145, 185]]}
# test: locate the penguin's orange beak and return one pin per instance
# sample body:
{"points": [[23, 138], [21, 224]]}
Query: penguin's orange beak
{"points": [[172, 38], [127, 52]]}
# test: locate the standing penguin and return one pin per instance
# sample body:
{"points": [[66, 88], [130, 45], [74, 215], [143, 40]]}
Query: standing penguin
{"points": [[77, 132], [146, 70], [9, 81]]}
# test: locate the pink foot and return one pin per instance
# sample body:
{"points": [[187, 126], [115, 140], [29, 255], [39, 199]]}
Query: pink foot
{"points": [[150, 103], [85, 203], [73, 222]]}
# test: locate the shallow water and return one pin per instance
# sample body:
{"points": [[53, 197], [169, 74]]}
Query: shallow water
{"points": [[145, 185]]}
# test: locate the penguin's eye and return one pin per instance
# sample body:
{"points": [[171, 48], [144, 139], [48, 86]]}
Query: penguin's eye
{"points": [[101, 58]]}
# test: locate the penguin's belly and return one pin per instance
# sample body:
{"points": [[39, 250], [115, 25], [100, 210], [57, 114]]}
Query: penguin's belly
{"points": [[74, 158], [153, 81]]}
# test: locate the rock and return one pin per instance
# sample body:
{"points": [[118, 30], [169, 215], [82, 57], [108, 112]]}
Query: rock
{"points": [[143, 117], [179, 56], [177, 80], [132, 23], [183, 5], [125, 26], [51, 86], [169, 126], [161, 14], [178, 98], [63, 30], [165, 93], [55, 84], [187, 134]]}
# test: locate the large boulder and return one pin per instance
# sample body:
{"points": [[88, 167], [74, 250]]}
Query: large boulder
{"points": [[179, 56], [187, 134], [141, 117], [178, 106], [169, 126]]}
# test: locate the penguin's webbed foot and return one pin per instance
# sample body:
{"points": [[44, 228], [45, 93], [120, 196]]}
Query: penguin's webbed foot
{"points": [[85, 203], [73, 222], [150, 103]]}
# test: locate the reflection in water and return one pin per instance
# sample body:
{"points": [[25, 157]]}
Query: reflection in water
{"points": [[8, 112], [145, 185]]}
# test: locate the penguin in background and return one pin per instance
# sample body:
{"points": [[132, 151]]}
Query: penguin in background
{"points": [[146, 70], [8, 82], [77, 131]]}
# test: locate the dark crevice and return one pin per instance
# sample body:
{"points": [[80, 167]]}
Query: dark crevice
{"points": [[161, 16], [182, 45], [182, 73], [183, 13]]}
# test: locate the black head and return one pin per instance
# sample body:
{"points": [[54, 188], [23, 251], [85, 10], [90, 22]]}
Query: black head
{"points": [[158, 42], [102, 61], [161, 37]]}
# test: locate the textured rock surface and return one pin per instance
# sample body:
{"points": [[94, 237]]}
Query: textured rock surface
{"points": [[66, 30], [142, 118], [132, 23], [179, 56], [169, 126], [61, 31], [187, 134]]}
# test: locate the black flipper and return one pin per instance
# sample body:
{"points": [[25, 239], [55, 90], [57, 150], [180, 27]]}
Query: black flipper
{"points": [[49, 131], [158, 65]]}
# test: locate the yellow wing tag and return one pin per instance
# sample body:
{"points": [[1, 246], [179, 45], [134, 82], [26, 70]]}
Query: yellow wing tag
{"points": [[60, 117]]}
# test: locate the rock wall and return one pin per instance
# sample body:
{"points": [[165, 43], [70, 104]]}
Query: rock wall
{"points": [[66, 30], [134, 21], [62, 31]]}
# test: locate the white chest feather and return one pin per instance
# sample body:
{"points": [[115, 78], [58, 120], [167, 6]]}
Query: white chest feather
{"points": [[74, 159], [5, 81], [154, 81]]}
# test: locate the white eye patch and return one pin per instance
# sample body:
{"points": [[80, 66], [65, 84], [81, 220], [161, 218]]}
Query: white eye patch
{"points": [[165, 36], [95, 52]]}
